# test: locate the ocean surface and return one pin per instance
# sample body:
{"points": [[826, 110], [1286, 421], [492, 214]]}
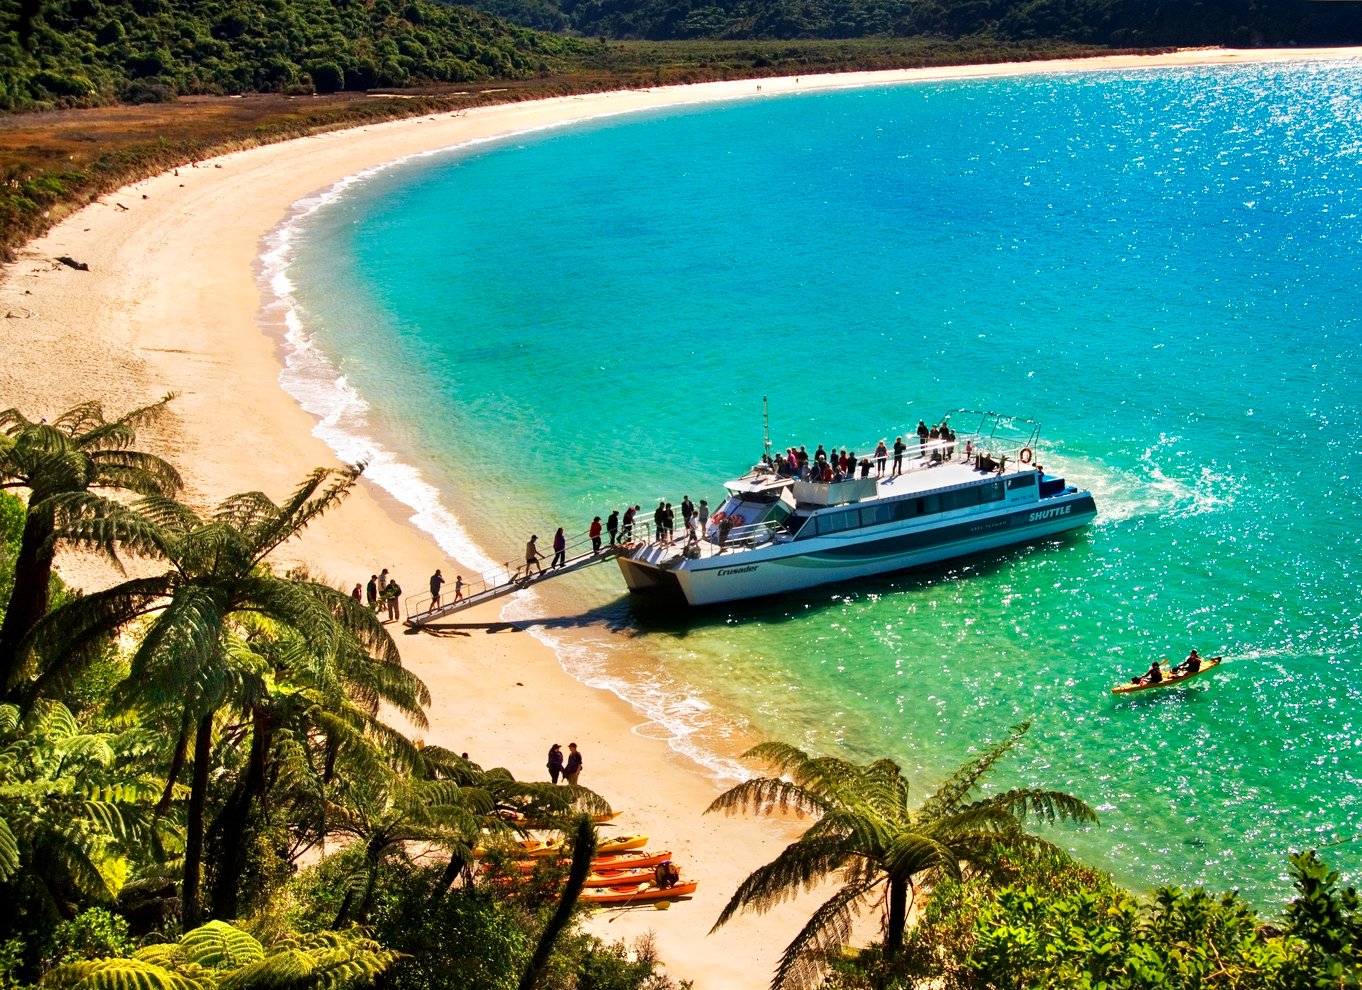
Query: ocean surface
{"points": [[1159, 266]]}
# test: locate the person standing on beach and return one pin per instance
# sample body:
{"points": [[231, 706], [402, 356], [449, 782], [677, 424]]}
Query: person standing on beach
{"points": [[373, 591], [559, 549], [595, 533], [574, 764], [436, 582], [393, 593], [612, 525], [555, 763], [358, 593]]}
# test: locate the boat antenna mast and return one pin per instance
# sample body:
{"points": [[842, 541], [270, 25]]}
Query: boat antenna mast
{"points": [[765, 432]]}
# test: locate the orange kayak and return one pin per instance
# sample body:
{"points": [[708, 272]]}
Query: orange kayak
{"points": [[629, 860], [1168, 680], [537, 848], [612, 863], [634, 893]]}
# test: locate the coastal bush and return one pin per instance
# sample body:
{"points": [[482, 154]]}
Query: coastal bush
{"points": [[1056, 924]]}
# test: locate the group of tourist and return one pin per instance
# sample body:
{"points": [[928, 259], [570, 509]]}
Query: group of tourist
{"points": [[383, 594], [694, 520], [936, 443]]}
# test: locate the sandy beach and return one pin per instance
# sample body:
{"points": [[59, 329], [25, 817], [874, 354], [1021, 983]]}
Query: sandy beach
{"points": [[172, 302]]}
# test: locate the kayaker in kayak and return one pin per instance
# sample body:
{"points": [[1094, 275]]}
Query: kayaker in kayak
{"points": [[1154, 675], [1191, 665]]}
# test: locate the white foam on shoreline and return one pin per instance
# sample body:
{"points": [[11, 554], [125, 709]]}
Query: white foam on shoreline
{"points": [[320, 389]]}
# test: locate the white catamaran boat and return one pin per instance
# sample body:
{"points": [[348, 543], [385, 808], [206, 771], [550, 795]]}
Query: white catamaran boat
{"points": [[776, 533]]}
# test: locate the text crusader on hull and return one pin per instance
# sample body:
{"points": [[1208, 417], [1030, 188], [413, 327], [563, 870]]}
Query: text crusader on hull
{"points": [[797, 520]]}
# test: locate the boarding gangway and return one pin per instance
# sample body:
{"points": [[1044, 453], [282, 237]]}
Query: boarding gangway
{"points": [[422, 610]]}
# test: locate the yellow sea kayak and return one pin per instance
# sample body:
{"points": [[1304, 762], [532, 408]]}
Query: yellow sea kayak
{"points": [[1169, 680]]}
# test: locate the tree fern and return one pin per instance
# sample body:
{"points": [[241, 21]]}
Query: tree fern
{"points": [[868, 836]]}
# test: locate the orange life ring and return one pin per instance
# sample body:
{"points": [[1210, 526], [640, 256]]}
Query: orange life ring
{"points": [[736, 520], [1026, 455]]}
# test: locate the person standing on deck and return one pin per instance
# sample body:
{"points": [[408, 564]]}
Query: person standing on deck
{"points": [[659, 521], [628, 532], [899, 448], [923, 435], [595, 533], [612, 525], [703, 513], [559, 549], [458, 587], [881, 456], [436, 582]]}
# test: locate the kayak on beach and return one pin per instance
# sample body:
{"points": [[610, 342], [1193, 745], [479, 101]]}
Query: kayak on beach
{"points": [[647, 891], [631, 860], [536, 848], [1169, 679]]}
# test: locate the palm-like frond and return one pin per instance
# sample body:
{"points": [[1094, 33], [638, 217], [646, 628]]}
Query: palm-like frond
{"points": [[805, 959], [948, 796], [116, 974], [800, 866], [765, 795], [218, 945]]}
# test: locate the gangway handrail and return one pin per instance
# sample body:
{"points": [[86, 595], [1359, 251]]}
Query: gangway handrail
{"points": [[494, 584]]}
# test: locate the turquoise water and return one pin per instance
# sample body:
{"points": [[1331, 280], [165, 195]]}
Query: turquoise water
{"points": [[1161, 267]]}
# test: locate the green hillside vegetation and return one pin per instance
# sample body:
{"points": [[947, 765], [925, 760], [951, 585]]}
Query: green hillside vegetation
{"points": [[1121, 23], [176, 748], [87, 52]]}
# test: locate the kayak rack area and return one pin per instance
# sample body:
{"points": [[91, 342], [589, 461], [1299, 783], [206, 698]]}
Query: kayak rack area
{"points": [[422, 609]]}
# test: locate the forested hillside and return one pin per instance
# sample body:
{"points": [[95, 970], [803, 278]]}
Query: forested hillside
{"points": [[80, 52], [1122, 23]]}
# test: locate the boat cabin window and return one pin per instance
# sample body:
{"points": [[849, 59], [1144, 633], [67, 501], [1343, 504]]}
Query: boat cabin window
{"points": [[836, 522], [1021, 481]]}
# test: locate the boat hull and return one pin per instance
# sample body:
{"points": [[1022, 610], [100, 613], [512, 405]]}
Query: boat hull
{"points": [[794, 566], [1206, 667]]}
